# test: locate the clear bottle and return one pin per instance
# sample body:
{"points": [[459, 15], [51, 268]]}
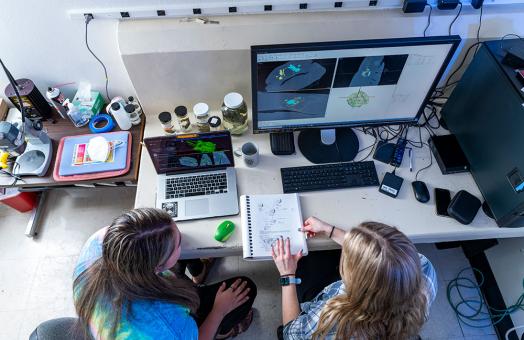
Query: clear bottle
{"points": [[78, 116], [183, 118], [201, 111], [167, 123], [234, 113], [215, 123]]}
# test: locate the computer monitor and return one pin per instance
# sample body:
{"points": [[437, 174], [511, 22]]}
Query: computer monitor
{"points": [[324, 89]]}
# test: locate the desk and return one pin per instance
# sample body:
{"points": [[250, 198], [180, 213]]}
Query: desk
{"points": [[63, 128], [344, 208]]}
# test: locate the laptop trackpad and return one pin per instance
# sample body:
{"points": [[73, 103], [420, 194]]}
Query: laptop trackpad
{"points": [[197, 207]]}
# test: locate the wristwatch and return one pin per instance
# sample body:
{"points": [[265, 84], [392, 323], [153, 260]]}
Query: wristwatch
{"points": [[289, 280]]}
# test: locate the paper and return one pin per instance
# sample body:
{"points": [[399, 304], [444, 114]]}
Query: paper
{"points": [[265, 218]]}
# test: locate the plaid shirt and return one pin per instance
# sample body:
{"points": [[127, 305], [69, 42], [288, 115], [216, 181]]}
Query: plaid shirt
{"points": [[305, 324]]}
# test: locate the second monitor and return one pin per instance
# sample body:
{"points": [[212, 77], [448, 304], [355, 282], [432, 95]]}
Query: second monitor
{"points": [[325, 89]]}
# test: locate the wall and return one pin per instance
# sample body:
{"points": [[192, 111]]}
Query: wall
{"points": [[176, 63], [40, 42]]}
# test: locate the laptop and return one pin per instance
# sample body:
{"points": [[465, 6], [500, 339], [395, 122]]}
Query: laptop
{"points": [[196, 175]]}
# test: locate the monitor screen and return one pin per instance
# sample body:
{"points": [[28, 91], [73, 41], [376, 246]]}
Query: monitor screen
{"points": [[353, 83], [191, 152]]}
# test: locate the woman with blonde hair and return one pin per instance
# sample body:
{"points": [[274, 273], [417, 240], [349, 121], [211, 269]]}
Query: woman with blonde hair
{"points": [[124, 289], [379, 288]]}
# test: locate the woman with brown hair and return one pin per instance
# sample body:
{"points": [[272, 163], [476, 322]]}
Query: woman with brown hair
{"points": [[123, 288], [378, 287]]}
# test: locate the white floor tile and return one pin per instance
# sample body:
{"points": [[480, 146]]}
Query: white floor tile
{"points": [[442, 322], [447, 262], [11, 322], [52, 285], [70, 221], [13, 242], [16, 279]]}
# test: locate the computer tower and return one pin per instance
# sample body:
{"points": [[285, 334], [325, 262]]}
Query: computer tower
{"points": [[486, 113]]}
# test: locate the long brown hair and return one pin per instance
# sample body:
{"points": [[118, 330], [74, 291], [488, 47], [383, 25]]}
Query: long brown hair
{"points": [[135, 244], [385, 294]]}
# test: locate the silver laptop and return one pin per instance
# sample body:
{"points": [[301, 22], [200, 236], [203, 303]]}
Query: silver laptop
{"points": [[196, 175]]}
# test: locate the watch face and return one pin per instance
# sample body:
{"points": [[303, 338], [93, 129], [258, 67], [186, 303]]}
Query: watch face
{"points": [[284, 281]]}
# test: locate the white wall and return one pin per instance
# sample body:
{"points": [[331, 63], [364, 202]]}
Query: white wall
{"points": [[40, 42]]}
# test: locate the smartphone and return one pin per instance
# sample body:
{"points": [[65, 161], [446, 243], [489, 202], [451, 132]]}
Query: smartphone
{"points": [[442, 200]]}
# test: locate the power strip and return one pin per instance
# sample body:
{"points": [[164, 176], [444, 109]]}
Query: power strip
{"points": [[188, 9]]}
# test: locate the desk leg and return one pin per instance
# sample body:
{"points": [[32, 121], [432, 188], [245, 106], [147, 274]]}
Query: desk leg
{"points": [[34, 220]]}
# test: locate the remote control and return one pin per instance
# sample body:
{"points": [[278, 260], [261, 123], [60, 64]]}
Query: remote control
{"points": [[398, 154]]}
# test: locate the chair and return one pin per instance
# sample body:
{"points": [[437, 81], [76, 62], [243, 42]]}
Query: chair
{"points": [[58, 329]]}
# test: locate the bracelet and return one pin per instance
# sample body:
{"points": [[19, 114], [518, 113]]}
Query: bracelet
{"points": [[332, 230], [286, 275]]}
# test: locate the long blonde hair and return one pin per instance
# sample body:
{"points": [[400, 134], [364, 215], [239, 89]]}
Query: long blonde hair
{"points": [[134, 245], [385, 294]]}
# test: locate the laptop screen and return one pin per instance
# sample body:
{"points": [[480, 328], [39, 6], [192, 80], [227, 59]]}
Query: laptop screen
{"points": [[191, 152]]}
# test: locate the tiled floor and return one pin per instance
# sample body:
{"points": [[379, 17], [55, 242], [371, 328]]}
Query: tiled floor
{"points": [[35, 274]]}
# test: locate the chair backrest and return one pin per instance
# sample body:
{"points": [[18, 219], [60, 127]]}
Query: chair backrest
{"points": [[58, 329]]}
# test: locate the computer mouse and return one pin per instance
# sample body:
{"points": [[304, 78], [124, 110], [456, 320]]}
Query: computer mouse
{"points": [[224, 231], [421, 191]]}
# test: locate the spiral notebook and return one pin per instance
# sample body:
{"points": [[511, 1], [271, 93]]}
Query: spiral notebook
{"points": [[265, 218]]}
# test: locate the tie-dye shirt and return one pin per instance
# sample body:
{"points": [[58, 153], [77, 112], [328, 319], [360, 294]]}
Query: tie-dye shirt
{"points": [[149, 319]]}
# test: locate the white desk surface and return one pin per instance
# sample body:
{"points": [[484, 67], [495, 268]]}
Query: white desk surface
{"points": [[344, 208]]}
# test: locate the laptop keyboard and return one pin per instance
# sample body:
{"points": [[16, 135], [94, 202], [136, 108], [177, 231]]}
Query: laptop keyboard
{"points": [[199, 185]]}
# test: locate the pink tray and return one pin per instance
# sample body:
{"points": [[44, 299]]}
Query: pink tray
{"points": [[97, 175]]}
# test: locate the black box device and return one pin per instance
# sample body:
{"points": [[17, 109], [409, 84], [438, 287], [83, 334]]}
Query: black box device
{"points": [[448, 153], [391, 184]]}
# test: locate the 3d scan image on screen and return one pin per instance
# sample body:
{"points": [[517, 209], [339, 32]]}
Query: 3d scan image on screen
{"points": [[345, 86]]}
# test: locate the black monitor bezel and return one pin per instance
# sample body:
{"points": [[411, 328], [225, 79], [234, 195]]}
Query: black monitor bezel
{"points": [[454, 40]]}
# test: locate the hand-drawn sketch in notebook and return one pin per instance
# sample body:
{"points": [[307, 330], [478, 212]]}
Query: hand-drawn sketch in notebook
{"points": [[265, 218]]}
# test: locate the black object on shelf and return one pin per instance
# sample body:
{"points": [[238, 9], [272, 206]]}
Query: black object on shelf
{"points": [[282, 143], [448, 153], [329, 176], [464, 207]]}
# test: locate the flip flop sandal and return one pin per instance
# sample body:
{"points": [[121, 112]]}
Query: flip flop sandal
{"points": [[239, 328]]}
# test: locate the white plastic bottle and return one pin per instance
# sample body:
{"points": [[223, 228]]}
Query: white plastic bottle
{"points": [[121, 116]]}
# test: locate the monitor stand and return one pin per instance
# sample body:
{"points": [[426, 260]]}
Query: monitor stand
{"points": [[329, 145]]}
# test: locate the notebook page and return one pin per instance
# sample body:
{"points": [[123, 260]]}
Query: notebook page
{"points": [[275, 216]]}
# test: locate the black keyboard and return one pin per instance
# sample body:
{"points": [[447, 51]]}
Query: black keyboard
{"points": [[196, 185], [329, 176]]}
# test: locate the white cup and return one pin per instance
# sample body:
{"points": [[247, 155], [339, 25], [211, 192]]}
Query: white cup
{"points": [[249, 152]]}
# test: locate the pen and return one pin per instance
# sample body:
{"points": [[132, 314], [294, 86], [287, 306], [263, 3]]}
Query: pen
{"points": [[410, 161]]}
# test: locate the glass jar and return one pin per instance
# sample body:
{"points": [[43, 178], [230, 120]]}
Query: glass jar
{"points": [[132, 111], [167, 123], [183, 118], [201, 111], [234, 113], [215, 123]]}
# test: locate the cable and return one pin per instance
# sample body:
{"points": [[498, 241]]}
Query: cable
{"points": [[480, 24], [478, 29], [429, 18], [455, 19], [88, 19], [509, 35], [506, 336], [460, 65], [427, 166], [489, 316]]}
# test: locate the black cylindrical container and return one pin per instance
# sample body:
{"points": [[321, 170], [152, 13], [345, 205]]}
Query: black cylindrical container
{"points": [[35, 105]]}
